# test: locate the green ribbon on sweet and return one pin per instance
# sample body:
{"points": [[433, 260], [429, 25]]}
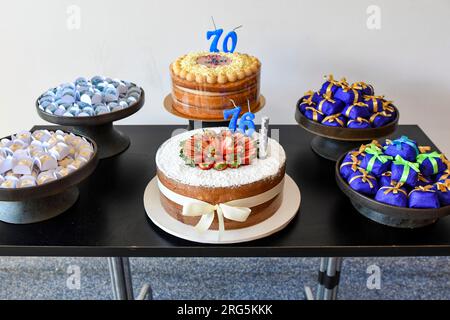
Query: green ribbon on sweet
{"points": [[432, 158], [407, 166], [377, 154]]}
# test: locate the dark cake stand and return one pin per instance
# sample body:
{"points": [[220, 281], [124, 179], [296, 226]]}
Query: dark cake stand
{"points": [[392, 216], [332, 142], [99, 128], [39, 203]]}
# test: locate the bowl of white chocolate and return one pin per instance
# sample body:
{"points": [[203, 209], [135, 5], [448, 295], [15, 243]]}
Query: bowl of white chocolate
{"points": [[39, 167]]}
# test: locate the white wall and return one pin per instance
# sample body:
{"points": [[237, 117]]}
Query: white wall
{"points": [[297, 41]]}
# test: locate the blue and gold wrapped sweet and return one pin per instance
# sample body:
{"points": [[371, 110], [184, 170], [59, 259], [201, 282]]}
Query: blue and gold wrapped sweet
{"points": [[330, 86], [386, 179], [374, 103], [359, 123], [335, 120], [393, 195], [404, 147], [329, 106], [366, 89], [424, 181], [357, 110], [350, 95], [307, 101], [431, 163], [375, 162], [443, 192], [349, 166], [405, 171], [424, 197], [380, 119], [362, 182], [314, 114]]}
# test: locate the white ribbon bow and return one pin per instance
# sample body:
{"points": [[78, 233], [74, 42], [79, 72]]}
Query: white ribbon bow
{"points": [[199, 208]]}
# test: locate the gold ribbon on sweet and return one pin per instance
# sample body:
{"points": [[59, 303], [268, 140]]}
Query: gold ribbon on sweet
{"points": [[428, 188], [395, 189], [357, 104], [360, 85], [354, 163], [374, 100], [424, 149], [206, 211], [347, 88], [387, 106], [315, 113], [365, 177], [443, 187], [382, 113], [308, 101], [332, 83], [359, 152], [422, 178], [326, 98], [334, 118]]}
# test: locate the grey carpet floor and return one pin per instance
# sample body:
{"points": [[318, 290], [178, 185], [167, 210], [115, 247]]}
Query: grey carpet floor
{"points": [[213, 278]]}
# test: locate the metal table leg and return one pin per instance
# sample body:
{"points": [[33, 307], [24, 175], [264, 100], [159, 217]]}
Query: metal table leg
{"points": [[328, 281], [331, 279], [122, 283]]}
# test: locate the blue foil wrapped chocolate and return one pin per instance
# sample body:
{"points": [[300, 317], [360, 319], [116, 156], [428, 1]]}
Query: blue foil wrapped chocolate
{"points": [[335, 120], [380, 119], [386, 179], [363, 182], [443, 192], [330, 106], [306, 102], [349, 166], [330, 86], [359, 123], [366, 89], [375, 162], [424, 181], [393, 195], [374, 103], [431, 163], [424, 197], [357, 110], [314, 114], [405, 171], [348, 95], [403, 147]]}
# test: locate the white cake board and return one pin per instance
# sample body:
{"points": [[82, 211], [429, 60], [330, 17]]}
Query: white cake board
{"points": [[287, 211]]}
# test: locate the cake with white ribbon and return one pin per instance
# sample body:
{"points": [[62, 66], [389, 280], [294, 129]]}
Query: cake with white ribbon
{"points": [[213, 179], [204, 84]]}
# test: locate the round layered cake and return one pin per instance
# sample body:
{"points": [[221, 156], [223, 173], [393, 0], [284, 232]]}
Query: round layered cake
{"points": [[205, 83], [205, 176]]}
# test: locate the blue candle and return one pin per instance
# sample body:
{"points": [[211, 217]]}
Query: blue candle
{"points": [[246, 124], [234, 114]]}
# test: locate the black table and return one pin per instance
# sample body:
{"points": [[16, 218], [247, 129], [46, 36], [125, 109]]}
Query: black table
{"points": [[109, 219]]}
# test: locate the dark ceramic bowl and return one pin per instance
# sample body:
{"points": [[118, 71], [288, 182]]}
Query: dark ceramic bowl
{"points": [[386, 214]]}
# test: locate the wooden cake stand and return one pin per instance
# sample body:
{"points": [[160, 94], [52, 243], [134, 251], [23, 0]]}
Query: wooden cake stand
{"points": [[39, 203], [198, 122], [331, 142], [99, 128]]}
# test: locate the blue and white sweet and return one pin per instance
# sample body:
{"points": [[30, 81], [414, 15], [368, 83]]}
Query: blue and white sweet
{"points": [[30, 159], [89, 97]]}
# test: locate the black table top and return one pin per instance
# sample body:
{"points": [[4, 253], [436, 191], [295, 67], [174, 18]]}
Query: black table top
{"points": [[109, 219]]}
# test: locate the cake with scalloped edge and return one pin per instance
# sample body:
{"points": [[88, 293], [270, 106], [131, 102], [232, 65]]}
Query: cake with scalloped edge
{"points": [[205, 175], [204, 84]]}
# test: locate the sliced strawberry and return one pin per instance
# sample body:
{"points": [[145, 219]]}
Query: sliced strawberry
{"points": [[220, 166], [206, 165]]}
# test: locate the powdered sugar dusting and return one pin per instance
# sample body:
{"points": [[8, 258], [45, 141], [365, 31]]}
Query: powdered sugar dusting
{"points": [[172, 166]]}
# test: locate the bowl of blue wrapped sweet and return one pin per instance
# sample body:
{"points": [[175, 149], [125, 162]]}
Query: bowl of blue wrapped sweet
{"points": [[342, 115], [398, 183]]}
